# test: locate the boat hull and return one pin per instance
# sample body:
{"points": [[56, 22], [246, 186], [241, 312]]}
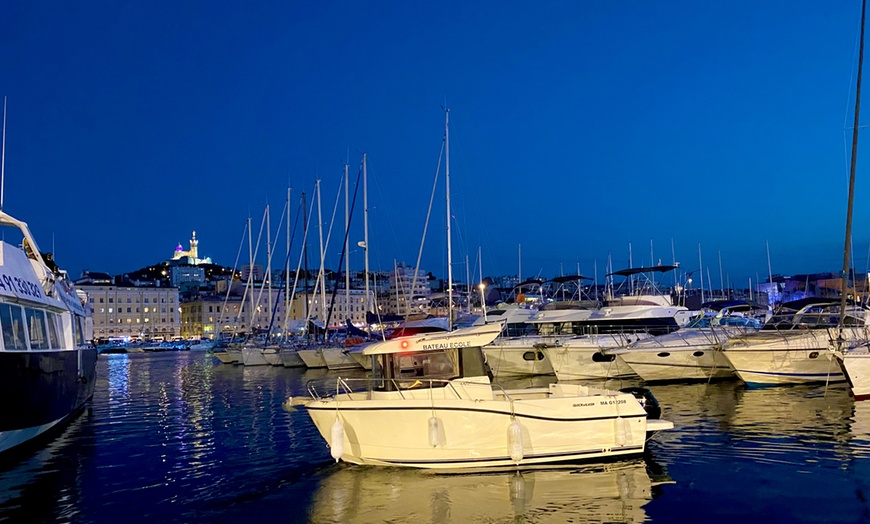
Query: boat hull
{"points": [[253, 357], [772, 358], [521, 356], [556, 424], [48, 389], [677, 364], [290, 359], [339, 358], [313, 358], [856, 366], [585, 358]]}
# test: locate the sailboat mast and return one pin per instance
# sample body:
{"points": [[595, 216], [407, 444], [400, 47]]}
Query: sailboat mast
{"points": [[346, 244], [847, 247], [449, 248], [321, 272], [287, 272], [366, 228]]}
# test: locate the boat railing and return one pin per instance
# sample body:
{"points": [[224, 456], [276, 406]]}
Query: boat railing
{"points": [[322, 389]]}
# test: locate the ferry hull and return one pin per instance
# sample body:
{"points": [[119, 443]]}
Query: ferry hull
{"points": [[47, 387]]}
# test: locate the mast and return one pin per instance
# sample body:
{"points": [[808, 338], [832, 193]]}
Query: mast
{"points": [[305, 218], [847, 247], [449, 248], [287, 272], [321, 272], [346, 245], [366, 227], [250, 289], [268, 274]]}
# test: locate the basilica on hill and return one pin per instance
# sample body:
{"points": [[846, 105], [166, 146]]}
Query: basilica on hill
{"points": [[191, 256]]}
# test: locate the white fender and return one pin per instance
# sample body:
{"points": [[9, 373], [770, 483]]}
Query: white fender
{"points": [[336, 445]]}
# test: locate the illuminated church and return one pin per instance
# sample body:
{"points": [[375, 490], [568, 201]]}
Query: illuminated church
{"points": [[191, 256]]}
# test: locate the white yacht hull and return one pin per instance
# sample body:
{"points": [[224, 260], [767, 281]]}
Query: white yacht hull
{"points": [[519, 356], [290, 358], [313, 358], [365, 361], [473, 426], [224, 356], [856, 366], [253, 357], [686, 355], [272, 356], [235, 355], [338, 358], [585, 357], [788, 357]]}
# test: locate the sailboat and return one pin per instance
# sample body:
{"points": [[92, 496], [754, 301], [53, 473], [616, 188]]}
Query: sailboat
{"points": [[854, 359]]}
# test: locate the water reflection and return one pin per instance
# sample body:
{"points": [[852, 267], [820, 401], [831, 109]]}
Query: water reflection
{"points": [[611, 493]]}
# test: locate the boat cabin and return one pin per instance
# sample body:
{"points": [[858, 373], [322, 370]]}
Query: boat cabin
{"points": [[425, 369]]}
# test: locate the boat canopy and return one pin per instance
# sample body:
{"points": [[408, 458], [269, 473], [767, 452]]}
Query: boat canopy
{"points": [[639, 270], [476, 336]]}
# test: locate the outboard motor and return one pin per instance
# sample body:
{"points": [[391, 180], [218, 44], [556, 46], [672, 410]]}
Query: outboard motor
{"points": [[647, 400]]}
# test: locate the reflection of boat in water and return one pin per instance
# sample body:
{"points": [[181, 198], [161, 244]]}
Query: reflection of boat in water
{"points": [[616, 492]]}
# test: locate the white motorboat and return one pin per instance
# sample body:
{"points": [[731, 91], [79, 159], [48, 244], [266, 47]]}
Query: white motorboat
{"points": [[252, 355], [796, 345], [430, 404], [48, 366], [694, 351], [517, 351], [591, 357]]}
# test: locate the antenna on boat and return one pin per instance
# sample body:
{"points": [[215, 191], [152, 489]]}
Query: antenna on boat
{"points": [[3, 158], [847, 247]]}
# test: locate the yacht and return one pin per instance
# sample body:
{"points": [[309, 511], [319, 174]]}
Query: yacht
{"points": [[634, 311], [796, 345], [694, 352], [430, 404], [49, 363]]}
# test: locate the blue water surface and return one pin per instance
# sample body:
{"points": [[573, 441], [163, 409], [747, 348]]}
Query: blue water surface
{"points": [[180, 437]]}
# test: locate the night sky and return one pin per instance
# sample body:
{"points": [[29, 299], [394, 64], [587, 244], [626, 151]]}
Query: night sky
{"points": [[579, 130]]}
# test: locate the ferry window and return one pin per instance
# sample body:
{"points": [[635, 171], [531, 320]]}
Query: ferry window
{"points": [[52, 331], [38, 331], [13, 327], [80, 330]]}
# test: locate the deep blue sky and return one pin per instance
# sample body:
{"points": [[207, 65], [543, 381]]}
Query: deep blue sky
{"points": [[577, 128]]}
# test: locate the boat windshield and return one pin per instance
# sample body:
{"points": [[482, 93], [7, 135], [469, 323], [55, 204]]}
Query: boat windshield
{"points": [[416, 369]]}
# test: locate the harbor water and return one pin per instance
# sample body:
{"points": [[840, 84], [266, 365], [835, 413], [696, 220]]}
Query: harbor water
{"points": [[179, 437]]}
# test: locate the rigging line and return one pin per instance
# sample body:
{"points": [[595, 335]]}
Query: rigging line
{"points": [[301, 256], [428, 214], [476, 205], [256, 252], [283, 289], [344, 247], [233, 274], [323, 250]]}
